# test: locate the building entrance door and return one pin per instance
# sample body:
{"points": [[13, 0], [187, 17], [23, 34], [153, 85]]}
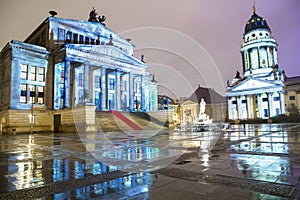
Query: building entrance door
{"points": [[57, 123]]}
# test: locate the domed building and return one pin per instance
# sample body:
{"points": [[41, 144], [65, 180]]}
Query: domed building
{"points": [[259, 92]]}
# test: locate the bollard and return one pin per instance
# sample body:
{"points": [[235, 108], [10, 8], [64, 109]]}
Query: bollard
{"points": [[14, 131]]}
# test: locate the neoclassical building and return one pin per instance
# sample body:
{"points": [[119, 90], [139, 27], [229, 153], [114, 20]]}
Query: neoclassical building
{"points": [[259, 93], [66, 63]]}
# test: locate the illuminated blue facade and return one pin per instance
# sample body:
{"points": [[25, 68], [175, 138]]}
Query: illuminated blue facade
{"points": [[259, 93], [65, 63]]}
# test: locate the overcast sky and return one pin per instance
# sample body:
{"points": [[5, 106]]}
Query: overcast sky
{"points": [[185, 43]]}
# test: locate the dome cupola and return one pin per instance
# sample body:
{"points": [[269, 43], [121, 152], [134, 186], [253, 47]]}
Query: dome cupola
{"points": [[256, 22]]}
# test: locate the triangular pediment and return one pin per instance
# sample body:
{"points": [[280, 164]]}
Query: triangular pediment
{"points": [[188, 102], [253, 84], [105, 52]]}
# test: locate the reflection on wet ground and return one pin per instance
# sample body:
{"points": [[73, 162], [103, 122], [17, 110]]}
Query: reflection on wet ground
{"points": [[251, 162]]}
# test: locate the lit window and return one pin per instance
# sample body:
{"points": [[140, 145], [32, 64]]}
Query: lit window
{"points": [[33, 73], [42, 74], [62, 76], [23, 96], [80, 79], [68, 36], [97, 81], [24, 72], [123, 87], [111, 84]]}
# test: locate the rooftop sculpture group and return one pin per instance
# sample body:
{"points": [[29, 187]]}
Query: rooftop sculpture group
{"points": [[95, 18]]}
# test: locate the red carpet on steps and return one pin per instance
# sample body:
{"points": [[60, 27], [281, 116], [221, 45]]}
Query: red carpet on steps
{"points": [[126, 120]]}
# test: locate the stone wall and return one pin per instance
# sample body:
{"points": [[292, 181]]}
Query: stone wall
{"points": [[19, 121]]}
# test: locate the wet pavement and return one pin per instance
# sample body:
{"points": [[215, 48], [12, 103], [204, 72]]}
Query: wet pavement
{"points": [[251, 162]]}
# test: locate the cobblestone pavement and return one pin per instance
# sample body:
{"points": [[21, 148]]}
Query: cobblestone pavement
{"points": [[251, 162]]}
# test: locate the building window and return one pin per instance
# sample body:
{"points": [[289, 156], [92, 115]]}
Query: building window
{"points": [[75, 38], [40, 94], [41, 74], [265, 99], [80, 79], [266, 114], [234, 102], [123, 87], [111, 84], [97, 81], [275, 98], [92, 41], [68, 37], [23, 96], [80, 95], [244, 101], [292, 98], [24, 72], [87, 40], [33, 73], [80, 39], [32, 94], [62, 76], [277, 111]]}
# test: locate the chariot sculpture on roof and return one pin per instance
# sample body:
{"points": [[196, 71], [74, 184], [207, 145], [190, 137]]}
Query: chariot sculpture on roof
{"points": [[95, 18]]}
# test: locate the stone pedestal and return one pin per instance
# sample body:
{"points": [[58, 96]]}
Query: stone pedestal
{"points": [[84, 118]]}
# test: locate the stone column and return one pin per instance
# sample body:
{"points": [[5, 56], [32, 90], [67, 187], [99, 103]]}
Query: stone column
{"points": [[269, 57], [86, 89], [103, 88], [229, 108], [143, 103], [258, 57], [239, 107], [282, 104], [118, 93], [67, 79], [249, 109], [275, 56], [270, 111], [248, 60], [131, 92], [258, 96]]}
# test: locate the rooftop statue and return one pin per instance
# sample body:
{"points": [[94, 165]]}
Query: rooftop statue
{"points": [[94, 18], [237, 75]]}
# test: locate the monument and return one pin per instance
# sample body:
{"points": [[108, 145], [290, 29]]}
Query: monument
{"points": [[202, 122]]}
